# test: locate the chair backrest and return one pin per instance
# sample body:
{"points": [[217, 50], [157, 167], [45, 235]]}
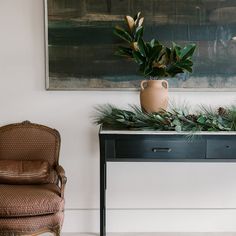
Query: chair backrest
{"points": [[28, 141]]}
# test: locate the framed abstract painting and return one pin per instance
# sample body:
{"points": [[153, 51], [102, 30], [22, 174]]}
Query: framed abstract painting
{"points": [[80, 43]]}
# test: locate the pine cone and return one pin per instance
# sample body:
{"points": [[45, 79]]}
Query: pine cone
{"points": [[222, 111], [191, 117]]}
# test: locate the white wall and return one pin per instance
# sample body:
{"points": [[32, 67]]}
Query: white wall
{"points": [[185, 192]]}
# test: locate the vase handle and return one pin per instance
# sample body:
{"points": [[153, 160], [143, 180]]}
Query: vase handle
{"points": [[164, 84], [142, 84]]}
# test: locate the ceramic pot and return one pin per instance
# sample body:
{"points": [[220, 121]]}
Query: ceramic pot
{"points": [[154, 95]]}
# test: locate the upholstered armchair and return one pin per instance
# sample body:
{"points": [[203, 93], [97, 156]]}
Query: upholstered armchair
{"points": [[31, 180]]}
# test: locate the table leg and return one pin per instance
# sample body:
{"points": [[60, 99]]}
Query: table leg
{"points": [[102, 192]]}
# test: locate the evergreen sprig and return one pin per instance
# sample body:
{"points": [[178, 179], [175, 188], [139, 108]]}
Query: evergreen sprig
{"points": [[206, 119]]}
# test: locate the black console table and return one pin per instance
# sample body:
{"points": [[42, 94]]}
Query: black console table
{"points": [[133, 146]]}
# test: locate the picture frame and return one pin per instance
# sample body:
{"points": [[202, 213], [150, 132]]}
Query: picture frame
{"points": [[80, 44]]}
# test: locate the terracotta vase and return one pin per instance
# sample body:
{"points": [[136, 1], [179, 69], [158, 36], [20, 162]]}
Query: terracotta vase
{"points": [[154, 95]]}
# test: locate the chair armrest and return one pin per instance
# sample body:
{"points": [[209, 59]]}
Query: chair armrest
{"points": [[61, 174]]}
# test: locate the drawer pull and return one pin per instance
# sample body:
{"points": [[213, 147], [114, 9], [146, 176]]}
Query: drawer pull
{"points": [[157, 149]]}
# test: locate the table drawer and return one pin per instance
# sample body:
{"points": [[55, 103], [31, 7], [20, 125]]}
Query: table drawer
{"points": [[221, 149], [160, 149]]}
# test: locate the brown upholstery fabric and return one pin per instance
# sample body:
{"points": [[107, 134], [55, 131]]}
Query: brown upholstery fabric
{"points": [[30, 224], [29, 142], [24, 172], [31, 209], [29, 200]]}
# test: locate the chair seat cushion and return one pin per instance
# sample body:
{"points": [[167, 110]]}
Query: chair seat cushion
{"points": [[30, 225], [24, 172], [29, 200]]}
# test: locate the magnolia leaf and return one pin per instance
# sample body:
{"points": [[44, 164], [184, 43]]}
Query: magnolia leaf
{"points": [[173, 70], [177, 49], [168, 53], [155, 52], [142, 47], [139, 33], [158, 72], [134, 46], [185, 65], [138, 57], [149, 51], [162, 59], [141, 21], [187, 51], [120, 53], [130, 22], [136, 17], [152, 42], [148, 71], [124, 51], [123, 34], [142, 68]]}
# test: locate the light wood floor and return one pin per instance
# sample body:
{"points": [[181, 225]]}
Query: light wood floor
{"points": [[153, 234]]}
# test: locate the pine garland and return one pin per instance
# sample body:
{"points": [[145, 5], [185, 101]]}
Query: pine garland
{"points": [[206, 119]]}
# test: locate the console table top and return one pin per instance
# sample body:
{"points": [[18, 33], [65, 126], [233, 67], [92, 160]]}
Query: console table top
{"points": [[153, 132]]}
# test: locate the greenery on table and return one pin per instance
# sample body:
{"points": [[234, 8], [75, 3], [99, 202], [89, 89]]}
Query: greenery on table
{"points": [[206, 119], [154, 59]]}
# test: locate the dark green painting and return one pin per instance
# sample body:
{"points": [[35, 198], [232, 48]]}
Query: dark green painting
{"points": [[81, 43]]}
